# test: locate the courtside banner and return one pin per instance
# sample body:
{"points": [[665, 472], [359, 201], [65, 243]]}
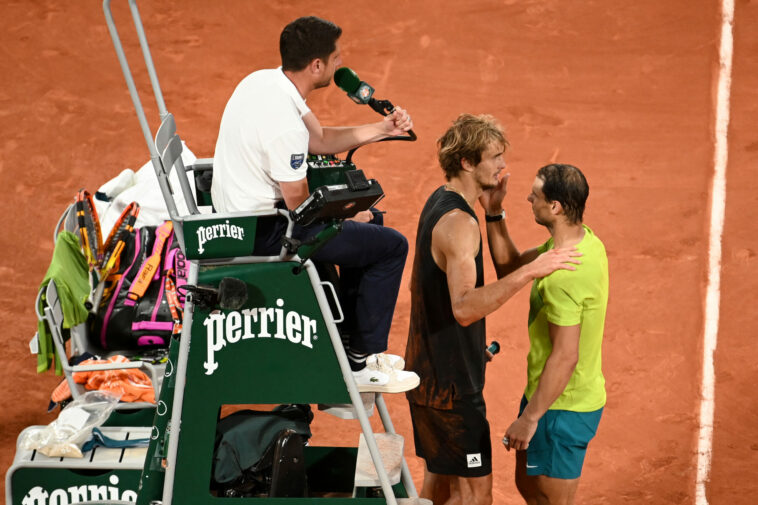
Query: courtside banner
{"points": [[225, 237]]}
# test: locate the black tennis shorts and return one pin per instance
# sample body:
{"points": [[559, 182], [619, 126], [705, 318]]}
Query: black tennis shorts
{"points": [[455, 441]]}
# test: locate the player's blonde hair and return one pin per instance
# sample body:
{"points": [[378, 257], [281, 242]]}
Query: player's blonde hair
{"points": [[467, 139]]}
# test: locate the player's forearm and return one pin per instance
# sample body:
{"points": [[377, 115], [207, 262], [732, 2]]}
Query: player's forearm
{"points": [[479, 302], [555, 376], [505, 255], [338, 139]]}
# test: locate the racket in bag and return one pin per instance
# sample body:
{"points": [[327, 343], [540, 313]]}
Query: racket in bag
{"points": [[102, 257], [141, 306]]}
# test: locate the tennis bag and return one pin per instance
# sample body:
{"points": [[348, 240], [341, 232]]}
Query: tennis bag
{"points": [[141, 306], [258, 453]]}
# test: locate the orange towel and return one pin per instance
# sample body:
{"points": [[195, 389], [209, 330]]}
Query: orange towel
{"points": [[132, 384]]}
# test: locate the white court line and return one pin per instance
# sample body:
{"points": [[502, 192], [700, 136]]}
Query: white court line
{"points": [[713, 295]]}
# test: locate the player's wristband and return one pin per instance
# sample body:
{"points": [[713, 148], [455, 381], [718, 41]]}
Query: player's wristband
{"points": [[495, 218]]}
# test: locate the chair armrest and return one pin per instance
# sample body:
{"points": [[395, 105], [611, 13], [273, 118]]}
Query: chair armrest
{"points": [[109, 366], [201, 164]]}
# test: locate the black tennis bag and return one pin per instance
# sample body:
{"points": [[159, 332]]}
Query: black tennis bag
{"points": [[141, 306], [260, 454]]}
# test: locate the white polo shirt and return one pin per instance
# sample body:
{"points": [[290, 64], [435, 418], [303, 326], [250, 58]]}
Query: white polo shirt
{"points": [[262, 141]]}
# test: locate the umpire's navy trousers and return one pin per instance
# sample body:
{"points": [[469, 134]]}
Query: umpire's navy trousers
{"points": [[371, 258]]}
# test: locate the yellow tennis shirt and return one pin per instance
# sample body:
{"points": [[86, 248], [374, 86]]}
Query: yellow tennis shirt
{"points": [[568, 298]]}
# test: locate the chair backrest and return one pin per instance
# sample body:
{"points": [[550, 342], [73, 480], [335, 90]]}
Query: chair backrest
{"points": [[165, 132], [53, 314], [67, 222], [169, 147]]}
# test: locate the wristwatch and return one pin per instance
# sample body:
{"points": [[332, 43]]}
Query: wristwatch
{"points": [[497, 217]]}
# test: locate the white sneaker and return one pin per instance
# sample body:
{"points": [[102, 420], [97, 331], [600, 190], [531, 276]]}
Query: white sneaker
{"points": [[385, 362], [374, 381], [402, 381], [368, 380]]}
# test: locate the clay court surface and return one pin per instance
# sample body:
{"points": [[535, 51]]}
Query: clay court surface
{"points": [[623, 90]]}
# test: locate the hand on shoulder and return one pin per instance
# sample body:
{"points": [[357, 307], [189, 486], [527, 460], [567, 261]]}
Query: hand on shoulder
{"points": [[555, 259]]}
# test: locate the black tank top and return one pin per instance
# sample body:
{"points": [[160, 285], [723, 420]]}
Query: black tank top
{"points": [[448, 357]]}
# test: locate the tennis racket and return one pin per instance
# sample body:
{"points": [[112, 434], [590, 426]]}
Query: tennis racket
{"points": [[114, 244], [88, 226]]}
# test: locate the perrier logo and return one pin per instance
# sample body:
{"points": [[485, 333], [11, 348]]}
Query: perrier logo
{"points": [[224, 329], [80, 493], [221, 230]]}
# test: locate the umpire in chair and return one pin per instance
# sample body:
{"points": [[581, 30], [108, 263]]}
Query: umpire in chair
{"points": [[266, 133]]}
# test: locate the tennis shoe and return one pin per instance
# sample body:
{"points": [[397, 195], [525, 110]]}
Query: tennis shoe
{"points": [[368, 379], [385, 362], [396, 381]]}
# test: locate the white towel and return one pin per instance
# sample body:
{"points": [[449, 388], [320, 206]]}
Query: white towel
{"points": [[141, 187]]}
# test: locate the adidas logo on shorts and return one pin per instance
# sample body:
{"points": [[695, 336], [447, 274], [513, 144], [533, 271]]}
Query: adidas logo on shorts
{"points": [[474, 460]]}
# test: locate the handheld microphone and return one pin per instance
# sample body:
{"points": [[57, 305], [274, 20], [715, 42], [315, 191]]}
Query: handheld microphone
{"points": [[363, 94], [347, 80]]}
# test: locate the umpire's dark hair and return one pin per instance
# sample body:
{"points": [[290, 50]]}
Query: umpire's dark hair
{"points": [[306, 39], [565, 184]]}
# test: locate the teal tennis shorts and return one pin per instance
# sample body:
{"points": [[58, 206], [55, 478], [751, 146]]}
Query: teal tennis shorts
{"points": [[558, 447]]}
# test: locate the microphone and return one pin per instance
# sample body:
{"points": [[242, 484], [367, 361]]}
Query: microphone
{"points": [[363, 94], [231, 294], [347, 80]]}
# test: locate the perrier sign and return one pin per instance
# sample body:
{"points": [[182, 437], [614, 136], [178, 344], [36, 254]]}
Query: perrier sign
{"points": [[223, 237]]}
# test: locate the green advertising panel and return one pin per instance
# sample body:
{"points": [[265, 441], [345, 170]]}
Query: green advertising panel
{"points": [[47, 486], [274, 349], [223, 237]]}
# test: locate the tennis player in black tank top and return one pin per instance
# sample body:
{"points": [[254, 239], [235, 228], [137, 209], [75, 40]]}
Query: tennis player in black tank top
{"points": [[449, 300]]}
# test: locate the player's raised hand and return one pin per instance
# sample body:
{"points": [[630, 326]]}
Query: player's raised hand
{"points": [[491, 199]]}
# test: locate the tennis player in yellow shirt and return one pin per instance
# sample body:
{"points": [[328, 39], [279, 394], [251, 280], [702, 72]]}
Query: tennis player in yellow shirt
{"points": [[565, 393]]}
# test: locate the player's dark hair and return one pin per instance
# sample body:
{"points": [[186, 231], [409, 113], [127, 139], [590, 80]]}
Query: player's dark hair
{"points": [[467, 139], [565, 184], [306, 39]]}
